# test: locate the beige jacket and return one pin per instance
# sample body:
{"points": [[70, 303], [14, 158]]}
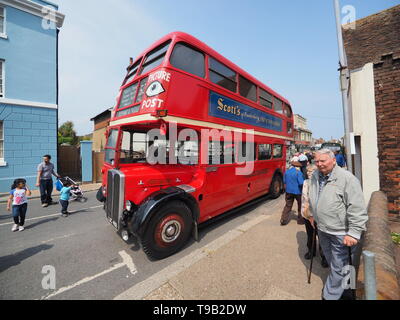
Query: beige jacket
{"points": [[340, 208], [305, 201]]}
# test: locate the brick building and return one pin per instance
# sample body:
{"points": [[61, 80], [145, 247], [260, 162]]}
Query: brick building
{"points": [[373, 54], [101, 122], [302, 135]]}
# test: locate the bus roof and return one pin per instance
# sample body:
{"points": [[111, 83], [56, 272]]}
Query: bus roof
{"points": [[182, 36]]}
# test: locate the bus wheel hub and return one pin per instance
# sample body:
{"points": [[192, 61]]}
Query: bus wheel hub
{"points": [[171, 231]]}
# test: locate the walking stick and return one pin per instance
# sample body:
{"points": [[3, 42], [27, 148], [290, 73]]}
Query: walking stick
{"points": [[314, 240], [353, 291]]}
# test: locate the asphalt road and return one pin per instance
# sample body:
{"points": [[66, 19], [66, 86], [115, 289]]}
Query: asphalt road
{"points": [[90, 260]]}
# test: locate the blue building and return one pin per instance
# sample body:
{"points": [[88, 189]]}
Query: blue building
{"points": [[28, 87]]}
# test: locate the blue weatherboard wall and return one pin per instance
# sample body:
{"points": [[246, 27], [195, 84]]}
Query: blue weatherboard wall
{"points": [[29, 133], [30, 58], [29, 53], [86, 158]]}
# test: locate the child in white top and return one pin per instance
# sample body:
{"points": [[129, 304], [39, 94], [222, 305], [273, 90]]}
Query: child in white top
{"points": [[18, 198]]}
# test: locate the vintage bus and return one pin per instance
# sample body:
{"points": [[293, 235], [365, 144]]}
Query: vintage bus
{"points": [[180, 85]]}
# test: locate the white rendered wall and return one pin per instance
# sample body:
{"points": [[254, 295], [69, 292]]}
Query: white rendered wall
{"points": [[364, 125]]}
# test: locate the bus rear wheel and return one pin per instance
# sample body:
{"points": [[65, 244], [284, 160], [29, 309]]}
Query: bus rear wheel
{"points": [[168, 231], [276, 187]]}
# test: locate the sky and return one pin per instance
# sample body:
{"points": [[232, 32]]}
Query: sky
{"points": [[290, 45]]}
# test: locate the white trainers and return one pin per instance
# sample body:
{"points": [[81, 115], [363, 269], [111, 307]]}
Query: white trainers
{"points": [[15, 228], [21, 228]]}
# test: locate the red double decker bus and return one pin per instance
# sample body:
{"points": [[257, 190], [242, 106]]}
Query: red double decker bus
{"points": [[182, 88]]}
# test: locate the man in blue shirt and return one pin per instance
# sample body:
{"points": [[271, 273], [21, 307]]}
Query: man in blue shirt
{"points": [[340, 160], [293, 180]]}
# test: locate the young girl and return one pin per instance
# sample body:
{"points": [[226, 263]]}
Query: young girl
{"points": [[18, 198]]}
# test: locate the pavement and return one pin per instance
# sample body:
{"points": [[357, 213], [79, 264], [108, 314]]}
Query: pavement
{"points": [[258, 260]]}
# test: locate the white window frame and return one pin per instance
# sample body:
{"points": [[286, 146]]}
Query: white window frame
{"points": [[4, 33], [3, 78], [2, 161]]}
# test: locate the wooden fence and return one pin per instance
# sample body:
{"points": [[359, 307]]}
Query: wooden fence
{"points": [[98, 161], [69, 162]]}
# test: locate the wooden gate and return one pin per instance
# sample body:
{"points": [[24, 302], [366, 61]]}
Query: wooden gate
{"points": [[69, 162], [98, 161]]}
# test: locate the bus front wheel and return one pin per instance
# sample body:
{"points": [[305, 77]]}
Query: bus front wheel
{"points": [[276, 187], [168, 231]]}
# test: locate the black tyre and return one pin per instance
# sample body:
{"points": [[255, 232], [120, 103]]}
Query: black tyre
{"points": [[168, 230], [276, 187]]}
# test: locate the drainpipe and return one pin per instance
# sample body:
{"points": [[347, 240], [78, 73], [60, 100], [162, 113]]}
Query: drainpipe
{"points": [[57, 92], [344, 87]]}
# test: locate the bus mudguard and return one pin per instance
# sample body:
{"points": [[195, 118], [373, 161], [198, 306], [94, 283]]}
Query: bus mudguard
{"points": [[157, 200]]}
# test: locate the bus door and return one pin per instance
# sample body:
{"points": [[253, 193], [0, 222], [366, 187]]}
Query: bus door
{"points": [[221, 186]]}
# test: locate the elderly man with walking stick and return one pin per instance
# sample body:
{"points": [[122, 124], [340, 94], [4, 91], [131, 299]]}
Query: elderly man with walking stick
{"points": [[337, 206]]}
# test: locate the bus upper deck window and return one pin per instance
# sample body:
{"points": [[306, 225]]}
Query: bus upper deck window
{"points": [[288, 111], [247, 89], [132, 70], [223, 76], [188, 59], [155, 57], [265, 99], [278, 105]]}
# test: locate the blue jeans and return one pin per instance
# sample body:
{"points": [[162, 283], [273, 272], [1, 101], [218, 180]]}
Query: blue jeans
{"points": [[19, 214], [337, 255], [64, 206]]}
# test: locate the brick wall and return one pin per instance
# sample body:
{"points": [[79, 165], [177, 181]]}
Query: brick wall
{"points": [[376, 39], [374, 36], [387, 96]]}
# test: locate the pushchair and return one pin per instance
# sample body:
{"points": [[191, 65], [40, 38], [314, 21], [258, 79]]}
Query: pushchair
{"points": [[76, 191]]}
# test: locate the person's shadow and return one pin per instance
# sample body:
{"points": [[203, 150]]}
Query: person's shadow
{"points": [[9, 261], [302, 249]]}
